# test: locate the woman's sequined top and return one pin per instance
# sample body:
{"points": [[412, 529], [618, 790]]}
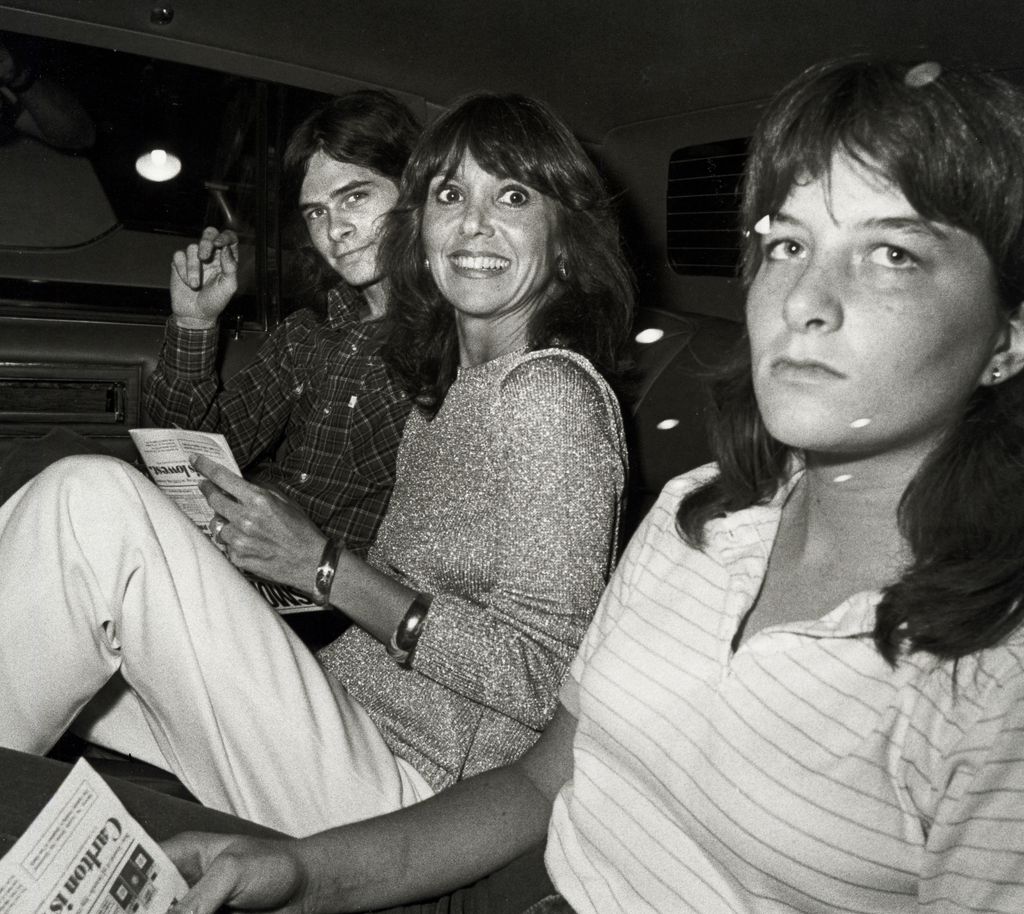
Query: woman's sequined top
{"points": [[505, 509]]}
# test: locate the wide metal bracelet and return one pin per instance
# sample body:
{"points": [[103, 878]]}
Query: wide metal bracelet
{"points": [[407, 632], [325, 571]]}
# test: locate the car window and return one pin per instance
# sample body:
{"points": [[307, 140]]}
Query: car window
{"points": [[702, 208], [93, 228]]}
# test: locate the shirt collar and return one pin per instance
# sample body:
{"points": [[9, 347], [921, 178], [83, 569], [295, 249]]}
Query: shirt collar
{"points": [[742, 541], [345, 305], [751, 532]]}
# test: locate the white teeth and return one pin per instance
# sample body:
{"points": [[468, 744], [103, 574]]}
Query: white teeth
{"points": [[480, 263]]}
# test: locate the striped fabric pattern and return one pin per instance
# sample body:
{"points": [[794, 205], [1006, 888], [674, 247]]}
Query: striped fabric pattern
{"points": [[801, 773]]}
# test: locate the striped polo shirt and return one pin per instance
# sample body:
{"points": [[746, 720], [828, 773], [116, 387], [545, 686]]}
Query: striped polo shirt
{"points": [[798, 773]]}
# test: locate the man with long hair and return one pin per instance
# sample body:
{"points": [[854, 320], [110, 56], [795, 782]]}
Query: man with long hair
{"points": [[315, 415]]}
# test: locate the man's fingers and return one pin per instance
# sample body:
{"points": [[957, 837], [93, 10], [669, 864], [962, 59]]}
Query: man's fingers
{"points": [[206, 243], [180, 265], [213, 240], [186, 264], [194, 267], [229, 260]]}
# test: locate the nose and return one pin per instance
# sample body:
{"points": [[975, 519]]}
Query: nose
{"points": [[339, 227], [813, 300], [476, 218]]}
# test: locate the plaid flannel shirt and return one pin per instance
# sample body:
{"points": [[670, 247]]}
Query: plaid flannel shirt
{"points": [[315, 413]]}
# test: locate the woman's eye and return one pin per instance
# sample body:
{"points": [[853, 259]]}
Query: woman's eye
{"points": [[783, 249], [448, 195], [313, 214], [356, 197], [889, 255], [514, 196]]}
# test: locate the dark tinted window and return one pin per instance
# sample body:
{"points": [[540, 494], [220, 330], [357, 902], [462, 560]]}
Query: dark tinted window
{"points": [[81, 228], [703, 208]]}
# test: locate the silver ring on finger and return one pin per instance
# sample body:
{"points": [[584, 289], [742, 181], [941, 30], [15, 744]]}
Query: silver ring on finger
{"points": [[217, 526]]}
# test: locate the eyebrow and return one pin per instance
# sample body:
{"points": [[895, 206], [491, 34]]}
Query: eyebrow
{"points": [[340, 191], [914, 224]]}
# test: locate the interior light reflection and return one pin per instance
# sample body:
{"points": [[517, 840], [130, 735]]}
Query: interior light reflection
{"points": [[158, 165], [666, 424], [650, 335]]}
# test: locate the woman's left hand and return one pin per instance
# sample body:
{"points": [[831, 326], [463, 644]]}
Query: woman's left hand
{"points": [[262, 531], [244, 873]]}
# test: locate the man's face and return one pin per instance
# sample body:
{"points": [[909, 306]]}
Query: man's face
{"points": [[343, 206]]}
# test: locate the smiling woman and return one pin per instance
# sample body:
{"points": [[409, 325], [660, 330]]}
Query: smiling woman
{"points": [[503, 234], [492, 245]]}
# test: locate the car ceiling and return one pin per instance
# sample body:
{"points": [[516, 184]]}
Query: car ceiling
{"points": [[601, 63]]}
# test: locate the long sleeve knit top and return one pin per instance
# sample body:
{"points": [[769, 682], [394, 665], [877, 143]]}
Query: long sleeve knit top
{"points": [[505, 509]]}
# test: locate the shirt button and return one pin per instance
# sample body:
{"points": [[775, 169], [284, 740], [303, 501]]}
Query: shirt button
{"points": [[354, 347], [303, 477], [327, 410]]}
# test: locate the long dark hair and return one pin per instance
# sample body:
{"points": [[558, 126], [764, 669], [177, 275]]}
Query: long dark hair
{"points": [[953, 142], [370, 128], [520, 138]]}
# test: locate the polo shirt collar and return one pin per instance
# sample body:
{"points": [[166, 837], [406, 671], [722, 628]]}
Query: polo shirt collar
{"points": [[741, 543]]}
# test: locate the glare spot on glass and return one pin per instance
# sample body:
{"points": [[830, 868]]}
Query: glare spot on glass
{"points": [[666, 424], [158, 165], [650, 335], [843, 477], [860, 423]]}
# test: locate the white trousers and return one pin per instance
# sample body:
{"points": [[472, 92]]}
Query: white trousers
{"points": [[101, 574]]}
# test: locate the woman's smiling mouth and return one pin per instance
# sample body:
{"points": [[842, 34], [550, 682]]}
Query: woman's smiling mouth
{"points": [[479, 263]]}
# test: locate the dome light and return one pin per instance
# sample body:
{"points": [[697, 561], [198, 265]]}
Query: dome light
{"points": [[666, 424], [158, 165], [650, 335]]}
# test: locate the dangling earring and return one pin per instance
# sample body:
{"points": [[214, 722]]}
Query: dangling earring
{"points": [[996, 373], [562, 268], [426, 263]]}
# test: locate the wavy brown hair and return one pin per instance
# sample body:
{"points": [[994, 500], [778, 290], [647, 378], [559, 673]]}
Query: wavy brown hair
{"points": [[954, 145], [369, 128], [520, 138]]}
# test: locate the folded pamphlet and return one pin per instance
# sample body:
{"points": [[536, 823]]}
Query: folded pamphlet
{"points": [[166, 452], [85, 854]]}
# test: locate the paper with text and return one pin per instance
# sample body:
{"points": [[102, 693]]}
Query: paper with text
{"points": [[166, 453], [85, 854]]}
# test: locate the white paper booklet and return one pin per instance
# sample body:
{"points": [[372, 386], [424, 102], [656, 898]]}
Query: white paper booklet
{"points": [[84, 854], [165, 452]]}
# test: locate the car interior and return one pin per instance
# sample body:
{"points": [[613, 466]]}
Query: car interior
{"points": [[662, 93]]}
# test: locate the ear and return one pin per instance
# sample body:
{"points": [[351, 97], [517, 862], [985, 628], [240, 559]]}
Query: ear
{"points": [[1008, 359]]}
